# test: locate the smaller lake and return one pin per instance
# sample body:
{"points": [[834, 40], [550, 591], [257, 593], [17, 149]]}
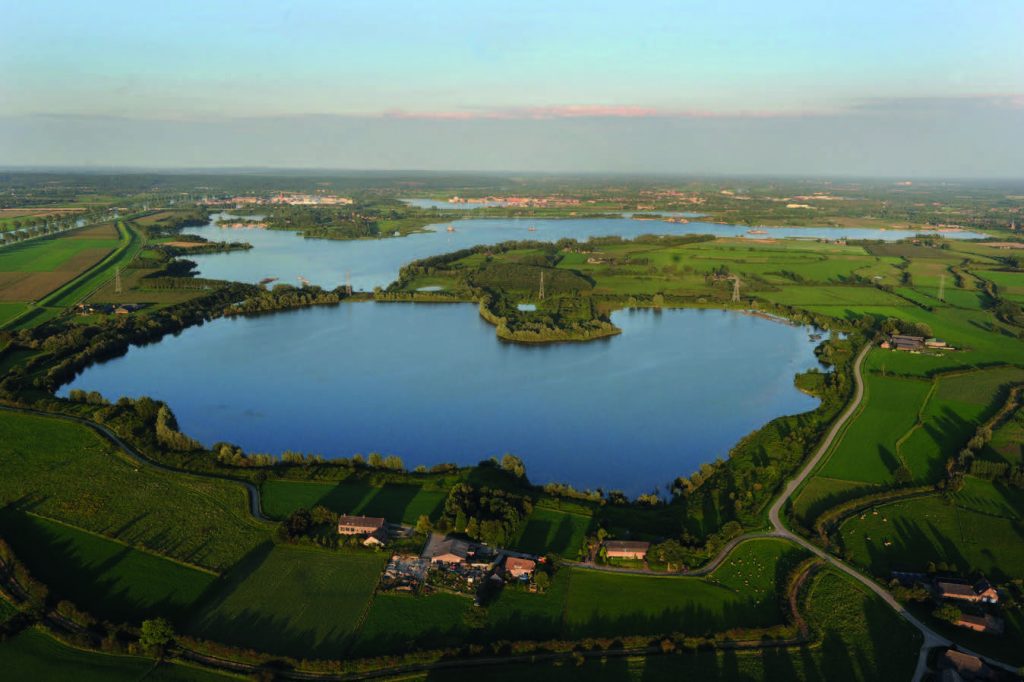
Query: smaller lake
{"points": [[376, 262], [431, 383]]}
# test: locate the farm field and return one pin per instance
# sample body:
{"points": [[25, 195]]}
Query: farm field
{"points": [[551, 530], [400, 621], [741, 593], [9, 311], [67, 472], [292, 600], [34, 655], [31, 270], [862, 641], [105, 578], [1007, 444], [395, 502], [980, 531]]}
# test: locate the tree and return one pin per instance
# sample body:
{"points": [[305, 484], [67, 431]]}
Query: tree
{"points": [[903, 475], [948, 613], [514, 465], [423, 525], [157, 633]]}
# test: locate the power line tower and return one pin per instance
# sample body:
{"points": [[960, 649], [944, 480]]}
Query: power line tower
{"points": [[540, 294], [348, 282], [942, 288], [117, 281], [736, 289]]}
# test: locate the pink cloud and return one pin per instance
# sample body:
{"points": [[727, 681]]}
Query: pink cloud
{"points": [[569, 111]]}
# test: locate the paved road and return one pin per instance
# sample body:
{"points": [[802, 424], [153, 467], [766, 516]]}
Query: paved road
{"points": [[255, 505]]}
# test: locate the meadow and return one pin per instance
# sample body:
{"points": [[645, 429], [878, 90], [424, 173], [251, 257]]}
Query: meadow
{"points": [[555, 531], [31, 270], [110, 580], [979, 530], [65, 471], [395, 502], [34, 655], [291, 600]]}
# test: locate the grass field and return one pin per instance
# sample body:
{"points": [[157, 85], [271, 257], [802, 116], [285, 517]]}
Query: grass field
{"points": [[31, 270], [551, 530], [741, 593], [395, 502], [67, 472], [401, 621], [34, 655], [1007, 444], [9, 311], [292, 600], [105, 578], [78, 289], [862, 640], [980, 531]]}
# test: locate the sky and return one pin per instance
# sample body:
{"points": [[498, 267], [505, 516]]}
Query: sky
{"points": [[908, 88]]}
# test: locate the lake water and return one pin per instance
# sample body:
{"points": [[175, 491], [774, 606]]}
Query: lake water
{"points": [[375, 262], [432, 383]]}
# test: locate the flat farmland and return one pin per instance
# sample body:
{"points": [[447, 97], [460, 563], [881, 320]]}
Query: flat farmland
{"points": [[395, 502], [67, 472], [30, 270], [106, 578], [292, 600], [741, 593], [551, 530], [34, 655]]}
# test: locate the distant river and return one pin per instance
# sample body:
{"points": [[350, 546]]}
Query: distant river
{"points": [[375, 262], [431, 383]]}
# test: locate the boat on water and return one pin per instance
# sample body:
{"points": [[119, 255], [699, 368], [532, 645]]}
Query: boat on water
{"points": [[531, 228], [757, 231], [451, 228]]}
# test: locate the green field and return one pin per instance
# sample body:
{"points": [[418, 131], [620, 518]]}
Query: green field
{"points": [[395, 502], [397, 622], [741, 593], [67, 472], [34, 655], [44, 255], [79, 288], [554, 531], [109, 580], [292, 600], [9, 311], [981, 531]]}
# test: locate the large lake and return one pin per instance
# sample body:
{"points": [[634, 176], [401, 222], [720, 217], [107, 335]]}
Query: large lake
{"points": [[431, 383], [375, 262]]}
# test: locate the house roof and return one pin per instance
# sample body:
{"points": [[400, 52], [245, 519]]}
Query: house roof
{"points": [[455, 547], [958, 589], [626, 546], [963, 662], [516, 564], [371, 522]]}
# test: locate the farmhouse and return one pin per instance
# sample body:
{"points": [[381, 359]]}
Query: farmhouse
{"points": [[517, 568], [904, 342], [987, 623], [626, 549], [955, 666], [359, 525], [982, 591]]}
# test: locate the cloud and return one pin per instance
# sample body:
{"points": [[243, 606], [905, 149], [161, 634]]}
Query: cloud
{"points": [[577, 111]]}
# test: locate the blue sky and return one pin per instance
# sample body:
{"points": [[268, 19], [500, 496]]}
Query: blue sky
{"points": [[586, 77]]}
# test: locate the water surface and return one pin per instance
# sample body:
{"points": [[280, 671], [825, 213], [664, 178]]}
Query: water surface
{"points": [[431, 383], [375, 262]]}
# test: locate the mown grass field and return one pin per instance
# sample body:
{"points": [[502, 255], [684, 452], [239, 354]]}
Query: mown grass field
{"points": [[402, 621], [551, 530], [862, 640], [34, 655], [30, 270], [980, 531], [292, 600], [67, 472], [395, 502], [741, 593], [108, 579]]}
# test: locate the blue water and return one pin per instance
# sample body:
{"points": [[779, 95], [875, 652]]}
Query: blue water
{"points": [[431, 383], [375, 262]]}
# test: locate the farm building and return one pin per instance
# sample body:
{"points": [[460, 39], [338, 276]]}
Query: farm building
{"points": [[359, 525], [904, 342], [450, 551], [519, 568], [987, 623], [956, 666], [626, 549], [982, 591]]}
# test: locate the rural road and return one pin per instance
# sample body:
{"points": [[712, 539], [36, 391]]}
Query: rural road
{"points": [[255, 505]]}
